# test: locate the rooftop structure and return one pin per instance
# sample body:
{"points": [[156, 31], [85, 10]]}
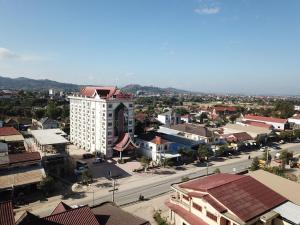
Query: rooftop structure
{"points": [[10, 134], [223, 199], [277, 123], [104, 214], [253, 131]]}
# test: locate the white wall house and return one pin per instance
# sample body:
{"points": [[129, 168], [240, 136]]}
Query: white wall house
{"points": [[295, 121], [99, 118], [277, 123], [169, 118]]}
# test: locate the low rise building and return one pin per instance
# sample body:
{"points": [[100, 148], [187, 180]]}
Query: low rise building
{"points": [[158, 146], [253, 131], [295, 121], [104, 214], [45, 123], [277, 123], [13, 138], [194, 132], [227, 199], [169, 118]]}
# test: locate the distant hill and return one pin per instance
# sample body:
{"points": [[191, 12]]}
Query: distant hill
{"points": [[133, 88], [23, 83]]}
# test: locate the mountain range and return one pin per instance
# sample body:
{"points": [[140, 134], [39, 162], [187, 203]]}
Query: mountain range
{"points": [[23, 83]]}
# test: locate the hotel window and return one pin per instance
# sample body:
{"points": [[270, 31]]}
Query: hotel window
{"points": [[198, 207], [109, 106], [130, 122], [110, 115], [109, 142], [130, 130], [211, 216], [109, 124], [130, 105]]}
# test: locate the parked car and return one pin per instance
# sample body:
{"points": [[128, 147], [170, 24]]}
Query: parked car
{"points": [[281, 142], [87, 156], [263, 149], [98, 160]]}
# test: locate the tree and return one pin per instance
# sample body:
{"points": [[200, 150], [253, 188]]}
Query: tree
{"points": [[217, 170], [39, 113], [205, 152], [145, 162], [267, 153], [255, 164], [182, 111], [52, 111], [47, 185], [285, 156]]}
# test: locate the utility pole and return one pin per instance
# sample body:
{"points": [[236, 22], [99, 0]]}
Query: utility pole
{"points": [[113, 191], [207, 168]]}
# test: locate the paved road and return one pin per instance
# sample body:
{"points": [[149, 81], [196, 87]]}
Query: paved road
{"points": [[123, 197]]}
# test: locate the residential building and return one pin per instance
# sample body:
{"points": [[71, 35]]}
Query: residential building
{"points": [[158, 146], [238, 139], [192, 131], [104, 214], [169, 118], [186, 118], [20, 169], [297, 107], [295, 121], [253, 131], [99, 119], [13, 138], [277, 123], [227, 199]]}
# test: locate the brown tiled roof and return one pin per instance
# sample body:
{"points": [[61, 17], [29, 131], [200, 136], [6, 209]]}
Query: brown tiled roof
{"points": [[8, 131], [239, 137], [192, 129], [24, 157], [108, 214], [6, 213], [124, 142], [186, 215]]}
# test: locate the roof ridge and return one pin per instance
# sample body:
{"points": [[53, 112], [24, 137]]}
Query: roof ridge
{"points": [[238, 178], [72, 209]]}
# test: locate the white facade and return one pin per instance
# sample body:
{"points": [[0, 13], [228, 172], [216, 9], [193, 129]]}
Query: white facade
{"points": [[169, 118], [92, 122]]}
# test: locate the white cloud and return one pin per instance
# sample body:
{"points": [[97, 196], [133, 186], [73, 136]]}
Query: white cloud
{"points": [[7, 54], [207, 10]]}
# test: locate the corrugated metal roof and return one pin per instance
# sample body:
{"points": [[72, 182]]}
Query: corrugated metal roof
{"points": [[24, 157], [289, 211], [6, 213]]}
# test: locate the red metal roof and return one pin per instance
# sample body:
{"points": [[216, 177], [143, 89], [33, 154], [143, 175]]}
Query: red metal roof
{"points": [[124, 142], [104, 92], [225, 108], [264, 118], [61, 207], [206, 183], [186, 215], [24, 157], [214, 203], [6, 213], [77, 216], [258, 124], [246, 197], [7, 131]]}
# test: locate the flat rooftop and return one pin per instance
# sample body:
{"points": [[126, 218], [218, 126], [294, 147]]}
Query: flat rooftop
{"points": [[49, 136], [19, 177]]}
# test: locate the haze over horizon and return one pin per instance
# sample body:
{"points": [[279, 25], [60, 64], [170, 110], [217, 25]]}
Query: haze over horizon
{"points": [[232, 46]]}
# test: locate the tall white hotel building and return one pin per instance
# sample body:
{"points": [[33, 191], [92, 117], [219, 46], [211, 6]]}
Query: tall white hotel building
{"points": [[102, 120]]}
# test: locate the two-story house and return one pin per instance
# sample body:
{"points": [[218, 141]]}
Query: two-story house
{"points": [[226, 199]]}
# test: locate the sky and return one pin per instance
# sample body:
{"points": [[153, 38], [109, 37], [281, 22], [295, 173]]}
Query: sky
{"points": [[223, 46]]}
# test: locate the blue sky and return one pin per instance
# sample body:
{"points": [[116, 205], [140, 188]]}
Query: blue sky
{"points": [[233, 46]]}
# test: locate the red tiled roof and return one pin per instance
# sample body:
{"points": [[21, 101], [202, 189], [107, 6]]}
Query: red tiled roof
{"points": [[6, 213], [24, 157], [225, 108], [186, 215], [124, 142], [77, 216], [258, 124], [264, 118], [212, 181], [7, 131], [105, 92], [214, 203], [61, 207], [242, 136]]}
